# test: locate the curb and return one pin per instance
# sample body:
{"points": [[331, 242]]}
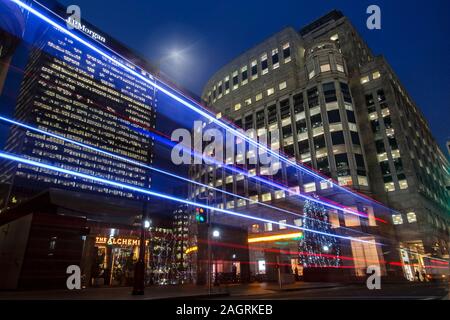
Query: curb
{"points": [[197, 296]]}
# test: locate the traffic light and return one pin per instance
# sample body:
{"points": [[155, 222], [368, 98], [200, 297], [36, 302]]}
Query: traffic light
{"points": [[200, 215]]}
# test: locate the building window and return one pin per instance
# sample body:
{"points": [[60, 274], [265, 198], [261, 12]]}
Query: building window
{"points": [[365, 80], [219, 115], [351, 220], [411, 216], [266, 197], [227, 85], [254, 69], [337, 138], [286, 53], [264, 64], [376, 75], [312, 74], [298, 222], [340, 68], [275, 59], [248, 101], [235, 80], [255, 228], [279, 194], [345, 181], [325, 68], [268, 226], [310, 187], [258, 97], [270, 91], [282, 85], [389, 187], [237, 107], [397, 219], [330, 92], [244, 75], [261, 267], [282, 224], [403, 184], [362, 181]]}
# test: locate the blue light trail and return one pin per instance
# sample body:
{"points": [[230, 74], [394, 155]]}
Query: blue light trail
{"points": [[167, 197]]}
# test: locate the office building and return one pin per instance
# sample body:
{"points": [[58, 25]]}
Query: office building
{"points": [[341, 110]]}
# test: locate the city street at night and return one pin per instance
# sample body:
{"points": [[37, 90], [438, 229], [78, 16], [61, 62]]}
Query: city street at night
{"points": [[165, 153]]}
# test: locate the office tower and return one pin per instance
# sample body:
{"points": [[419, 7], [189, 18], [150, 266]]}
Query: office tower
{"points": [[70, 90], [341, 110]]}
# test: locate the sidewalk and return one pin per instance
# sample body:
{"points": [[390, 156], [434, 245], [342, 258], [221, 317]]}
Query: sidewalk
{"points": [[160, 292]]}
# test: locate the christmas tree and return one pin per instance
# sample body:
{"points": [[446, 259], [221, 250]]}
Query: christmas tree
{"points": [[317, 250]]}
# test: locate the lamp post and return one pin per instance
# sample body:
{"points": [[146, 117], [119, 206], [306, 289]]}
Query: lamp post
{"points": [[139, 268]]}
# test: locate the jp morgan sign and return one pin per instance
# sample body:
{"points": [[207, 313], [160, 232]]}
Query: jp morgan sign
{"points": [[76, 24]]}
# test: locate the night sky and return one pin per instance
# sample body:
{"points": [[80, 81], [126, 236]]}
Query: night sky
{"points": [[414, 38]]}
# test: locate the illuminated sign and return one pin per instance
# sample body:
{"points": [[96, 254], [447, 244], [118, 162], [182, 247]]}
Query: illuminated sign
{"points": [[292, 236], [111, 241], [79, 26]]}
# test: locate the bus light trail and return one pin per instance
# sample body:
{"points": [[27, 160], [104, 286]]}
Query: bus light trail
{"points": [[86, 146]]}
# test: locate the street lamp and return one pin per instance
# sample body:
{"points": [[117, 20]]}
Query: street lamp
{"points": [[216, 234], [139, 268]]}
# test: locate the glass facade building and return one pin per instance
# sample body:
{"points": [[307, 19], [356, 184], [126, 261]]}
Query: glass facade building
{"points": [[70, 90]]}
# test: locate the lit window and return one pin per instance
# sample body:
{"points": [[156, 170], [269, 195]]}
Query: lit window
{"points": [[411, 216], [334, 37], [310, 187], [340, 67], [325, 184], [264, 64], [279, 194], [235, 80], [365, 80], [255, 228], [282, 224], [362, 181], [275, 59], [244, 75], [351, 220], [389, 187], [333, 217], [261, 267], [248, 101], [282, 85], [345, 181], [286, 52], [376, 75], [397, 219], [298, 222], [268, 226], [403, 184], [312, 74], [254, 69], [325, 68], [270, 91], [266, 197], [258, 97], [237, 106]]}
